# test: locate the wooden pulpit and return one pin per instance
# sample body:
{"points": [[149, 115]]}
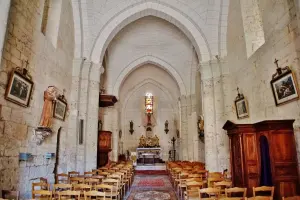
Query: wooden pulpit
{"points": [[104, 147]]}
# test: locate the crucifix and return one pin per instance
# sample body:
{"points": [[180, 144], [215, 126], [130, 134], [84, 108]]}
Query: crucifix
{"points": [[279, 70]]}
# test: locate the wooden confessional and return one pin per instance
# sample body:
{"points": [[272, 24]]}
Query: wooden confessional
{"points": [[264, 153]]}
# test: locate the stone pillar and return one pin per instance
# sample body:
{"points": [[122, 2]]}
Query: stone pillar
{"points": [[111, 123], [72, 141], [183, 128], [193, 139], [216, 140], [83, 108], [91, 139], [4, 9]]}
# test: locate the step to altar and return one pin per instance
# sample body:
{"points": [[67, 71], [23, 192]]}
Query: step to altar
{"points": [[156, 166]]}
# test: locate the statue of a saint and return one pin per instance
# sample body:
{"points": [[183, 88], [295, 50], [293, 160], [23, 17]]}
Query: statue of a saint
{"points": [[156, 141], [142, 141], [47, 114]]}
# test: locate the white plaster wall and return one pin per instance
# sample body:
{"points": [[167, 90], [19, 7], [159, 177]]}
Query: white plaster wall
{"points": [[157, 38], [253, 75], [4, 9], [148, 78]]}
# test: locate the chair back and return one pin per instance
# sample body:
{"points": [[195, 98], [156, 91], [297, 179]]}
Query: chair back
{"points": [[69, 195], [62, 178], [40, 185], [76, 180], [73, 174], [61, 187], [82, 187], [263, 189], [215, 192], [108, 189], [88, 195], [236, 191], [42, 194]]}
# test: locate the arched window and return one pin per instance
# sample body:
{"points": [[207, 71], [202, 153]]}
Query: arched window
{"points": [[253, 27], [149, 103], [45, 16], [51, 19]]}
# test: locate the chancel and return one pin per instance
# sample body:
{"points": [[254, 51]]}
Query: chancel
{"points": [[144, 99]]}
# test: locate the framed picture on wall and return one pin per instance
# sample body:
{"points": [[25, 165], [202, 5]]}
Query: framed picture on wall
{"points": [[19, 89], [285, 88], [60, 109], [241, 106]]}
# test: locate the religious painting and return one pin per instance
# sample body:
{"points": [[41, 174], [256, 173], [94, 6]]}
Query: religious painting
{"points": [[241, 108], [19, 89], [60, 109], [285, 88]]}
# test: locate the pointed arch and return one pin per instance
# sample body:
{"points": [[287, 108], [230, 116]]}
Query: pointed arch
{"points": [[132, 13], [148, 59]]}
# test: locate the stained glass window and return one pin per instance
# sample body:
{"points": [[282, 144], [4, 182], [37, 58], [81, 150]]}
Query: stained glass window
{"points": [[149, 103]]}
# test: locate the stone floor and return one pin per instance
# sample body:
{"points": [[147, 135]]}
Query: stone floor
{"points": [[157, 166]]}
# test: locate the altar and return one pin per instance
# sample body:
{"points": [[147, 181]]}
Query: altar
{"points": [[149, 151], [148, 155]]}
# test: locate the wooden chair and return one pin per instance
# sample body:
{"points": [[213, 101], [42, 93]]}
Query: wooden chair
{"points": [[60, 187], [73, 174], [10, 194], [62, 178], [88, 195], [69, 195], [76, 180], [191, 192], [181, 185], [116, 188], [236, 190], [108, 189], [222, 185], [291, 198], [82, 187], [211, 181], [42, 194], [88, 174], [41, 186], [264, 189], [91, 181], [211, 192]]}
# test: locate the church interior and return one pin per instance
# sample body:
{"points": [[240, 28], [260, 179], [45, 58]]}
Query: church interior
{"points": [[150, 99]]}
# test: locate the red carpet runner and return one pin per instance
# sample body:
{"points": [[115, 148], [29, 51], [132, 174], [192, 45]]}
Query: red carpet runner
{"points": [[151, 185]]}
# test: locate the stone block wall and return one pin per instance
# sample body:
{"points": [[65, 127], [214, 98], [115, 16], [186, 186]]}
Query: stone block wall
{"points": [[252, 75], [48, 66]]}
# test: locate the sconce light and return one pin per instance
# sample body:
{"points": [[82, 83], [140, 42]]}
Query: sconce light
{"points": [[49, 155], [131, 127], [24, 156], [200, 125], [166, 126]]}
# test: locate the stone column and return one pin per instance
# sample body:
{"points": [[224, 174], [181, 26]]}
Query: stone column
{"points": [[91, 139], [216, 140], [183, 128], [83, 107], [4, 10], [211, 155], [72, 141]]}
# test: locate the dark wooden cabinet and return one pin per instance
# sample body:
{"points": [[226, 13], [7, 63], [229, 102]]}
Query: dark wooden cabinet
{"points": [[104, 147], [247, 152]]}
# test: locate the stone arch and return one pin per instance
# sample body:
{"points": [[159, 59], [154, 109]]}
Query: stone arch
{"points": [[141, 84], [148, 59], [132, 13]]}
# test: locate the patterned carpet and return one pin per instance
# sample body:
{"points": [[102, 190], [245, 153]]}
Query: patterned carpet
{"points": [[151, 187]]}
